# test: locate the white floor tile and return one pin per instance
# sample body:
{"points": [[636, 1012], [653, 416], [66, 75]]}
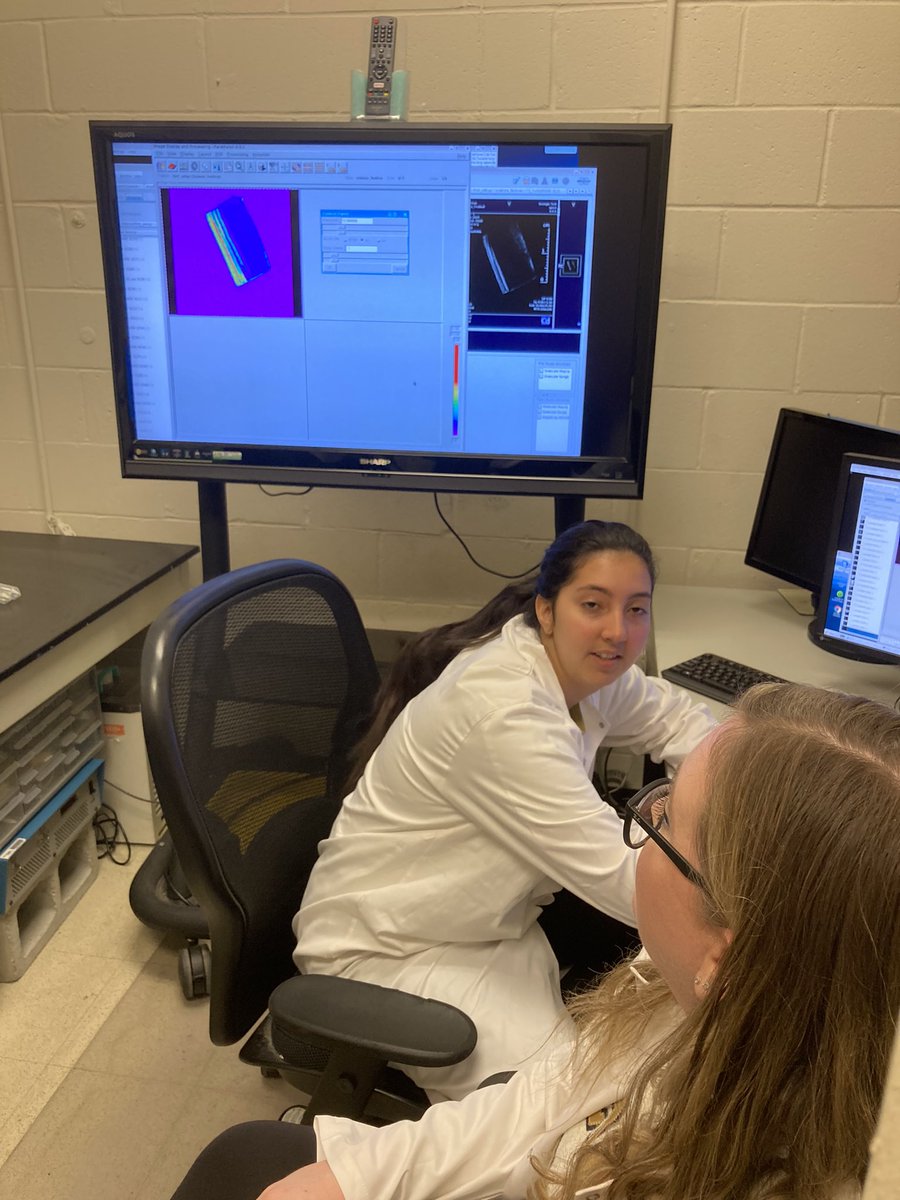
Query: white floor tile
{"points": [[110, 1084], [26, 1089], [43, 1011]]}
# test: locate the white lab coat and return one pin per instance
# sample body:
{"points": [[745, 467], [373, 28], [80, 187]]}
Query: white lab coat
{"points": [[477, 1148], [482, 1147], [475, 809]]}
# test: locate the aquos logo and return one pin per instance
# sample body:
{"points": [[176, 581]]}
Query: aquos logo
{"points": [[374, 462]]}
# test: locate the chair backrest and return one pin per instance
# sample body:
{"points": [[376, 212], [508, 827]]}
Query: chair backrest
{"points": [[255, 687]]}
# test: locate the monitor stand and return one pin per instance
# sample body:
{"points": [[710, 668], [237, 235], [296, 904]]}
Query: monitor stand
{"points": [[800, 600], [848, 649], [213, 506], [212, 503], [567, 511]]}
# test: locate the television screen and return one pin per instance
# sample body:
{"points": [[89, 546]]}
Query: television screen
{"points": [[431, 307]]}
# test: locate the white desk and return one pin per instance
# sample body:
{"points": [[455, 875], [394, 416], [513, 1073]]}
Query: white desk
{"points": [[758, 628], [752, 626]]}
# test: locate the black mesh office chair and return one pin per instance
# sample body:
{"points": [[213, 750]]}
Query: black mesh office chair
{"points": [[255, 686]]}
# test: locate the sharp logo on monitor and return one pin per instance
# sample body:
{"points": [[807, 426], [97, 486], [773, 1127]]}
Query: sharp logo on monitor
{"points": [[374, 462]]}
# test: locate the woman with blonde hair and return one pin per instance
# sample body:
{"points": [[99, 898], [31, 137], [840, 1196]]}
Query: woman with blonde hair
{"points": [[742, 1054]]}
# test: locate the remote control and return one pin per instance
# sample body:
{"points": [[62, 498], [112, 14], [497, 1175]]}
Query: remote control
{"points": [[381, 64]]}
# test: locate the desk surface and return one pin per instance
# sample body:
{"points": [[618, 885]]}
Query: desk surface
{"points": [[753, 626], [81, 598], [68, 582], [761, 629]]}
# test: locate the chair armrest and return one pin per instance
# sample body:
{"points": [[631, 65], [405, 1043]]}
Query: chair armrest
{"points": [[395, 1026]]}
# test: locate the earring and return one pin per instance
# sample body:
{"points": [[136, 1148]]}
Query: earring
{"points": [[704, 984]]}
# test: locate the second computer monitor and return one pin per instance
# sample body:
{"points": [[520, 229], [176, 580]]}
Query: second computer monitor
{"points": [[859, 616], [790, 530]]}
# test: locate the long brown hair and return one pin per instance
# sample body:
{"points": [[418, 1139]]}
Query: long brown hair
{"points": [[771, 1086], [424, 657]]}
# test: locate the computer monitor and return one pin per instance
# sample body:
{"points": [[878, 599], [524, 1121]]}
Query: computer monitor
{"points": [[452, 308], [790, 530], [859, 616]]}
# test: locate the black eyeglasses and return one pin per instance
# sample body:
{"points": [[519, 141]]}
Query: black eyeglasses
{"points": [[647, 809]]}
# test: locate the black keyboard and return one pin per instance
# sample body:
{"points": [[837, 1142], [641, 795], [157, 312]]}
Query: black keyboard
{"points": [[719, 678]]}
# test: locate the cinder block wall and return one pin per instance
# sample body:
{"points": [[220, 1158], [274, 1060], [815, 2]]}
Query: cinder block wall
{"points": [[782, 254]]}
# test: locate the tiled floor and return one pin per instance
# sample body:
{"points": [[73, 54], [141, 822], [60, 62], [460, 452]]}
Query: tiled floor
{"points": [[109, 1085]]}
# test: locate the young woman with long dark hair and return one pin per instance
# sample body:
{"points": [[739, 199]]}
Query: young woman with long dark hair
{"points": [[473, 803]]}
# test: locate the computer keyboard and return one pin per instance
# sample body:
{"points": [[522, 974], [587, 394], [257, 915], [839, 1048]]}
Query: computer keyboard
{"points": [[719, 678]]}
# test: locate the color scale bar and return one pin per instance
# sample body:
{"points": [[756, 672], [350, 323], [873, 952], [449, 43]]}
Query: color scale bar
{"points": [[455, 432]]}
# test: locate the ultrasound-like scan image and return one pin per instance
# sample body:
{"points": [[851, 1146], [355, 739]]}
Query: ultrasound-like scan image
{"points": [[511, 256]]}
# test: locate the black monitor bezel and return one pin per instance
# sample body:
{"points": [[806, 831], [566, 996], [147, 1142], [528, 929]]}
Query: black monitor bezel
{"points": [[752, 556], [818, 634], [581, 476]]}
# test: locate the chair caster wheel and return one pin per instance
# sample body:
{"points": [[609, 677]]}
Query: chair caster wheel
{"points": [[193, 971]]}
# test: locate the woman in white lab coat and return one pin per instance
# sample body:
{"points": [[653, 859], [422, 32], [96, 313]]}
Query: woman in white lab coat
{"points": [[744, 1055], [476, 805]]}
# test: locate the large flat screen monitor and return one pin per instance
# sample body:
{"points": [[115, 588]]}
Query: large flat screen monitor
{"points": [[467, 308], [859, 616], [790, 530]]}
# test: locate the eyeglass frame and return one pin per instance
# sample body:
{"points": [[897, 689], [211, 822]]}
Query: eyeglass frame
{"points": [[632, 815]]}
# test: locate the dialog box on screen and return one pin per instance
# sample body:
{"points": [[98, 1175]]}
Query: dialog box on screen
{"points": [[365, 242]]}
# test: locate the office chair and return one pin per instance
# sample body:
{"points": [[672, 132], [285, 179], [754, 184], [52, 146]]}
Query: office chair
{"points": [[255, 687]]}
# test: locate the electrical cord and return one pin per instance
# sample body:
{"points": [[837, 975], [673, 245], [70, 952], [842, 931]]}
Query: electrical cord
{"points": [[179, 895], [600, 773], [471, 556], [291, 491], [107, 783], [110, 834], [615, 796]]}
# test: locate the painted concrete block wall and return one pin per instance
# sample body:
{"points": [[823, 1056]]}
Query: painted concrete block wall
{"points": [[781, 273]]}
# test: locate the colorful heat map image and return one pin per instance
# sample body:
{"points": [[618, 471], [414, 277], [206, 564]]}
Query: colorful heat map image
{"points": [[238, 239], [232, 253]]}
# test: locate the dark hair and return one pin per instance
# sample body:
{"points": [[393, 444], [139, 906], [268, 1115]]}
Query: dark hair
{"points": [[425, 656]]}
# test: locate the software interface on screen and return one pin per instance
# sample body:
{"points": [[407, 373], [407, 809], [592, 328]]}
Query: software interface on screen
{"points": [[789, 539], [864, 596], [430, 297]]}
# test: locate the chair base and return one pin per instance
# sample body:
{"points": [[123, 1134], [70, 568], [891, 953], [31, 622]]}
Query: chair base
{"points": [[159, 895], [294, 1115], [396, 1097]]}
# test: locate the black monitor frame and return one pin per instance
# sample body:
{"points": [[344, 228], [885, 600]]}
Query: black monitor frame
{"points": [[796, 554], [619, 473], [818, 633]]}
